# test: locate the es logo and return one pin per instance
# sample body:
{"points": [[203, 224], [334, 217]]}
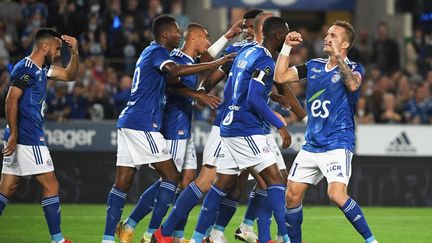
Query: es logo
{"points": [[320, 108]]}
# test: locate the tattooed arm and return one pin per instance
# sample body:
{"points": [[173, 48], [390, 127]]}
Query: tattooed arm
{"points": [[350, 79]]}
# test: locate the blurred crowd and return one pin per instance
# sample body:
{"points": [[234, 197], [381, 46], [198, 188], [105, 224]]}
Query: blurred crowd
{"points": [[113, 33]]}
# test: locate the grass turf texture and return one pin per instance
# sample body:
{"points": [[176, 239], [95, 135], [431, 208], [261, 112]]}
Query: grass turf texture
{"points": [[85, 224]]}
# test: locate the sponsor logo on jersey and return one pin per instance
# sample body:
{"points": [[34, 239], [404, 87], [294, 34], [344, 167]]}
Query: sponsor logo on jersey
{"points": [[401, 145], [315, 70]]}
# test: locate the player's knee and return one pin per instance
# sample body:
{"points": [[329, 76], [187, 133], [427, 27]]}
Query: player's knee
{"points": [[204, 184], [185, 181], [175, 176], [50, 189], [123, 183], [338, 198], [9, 189]]}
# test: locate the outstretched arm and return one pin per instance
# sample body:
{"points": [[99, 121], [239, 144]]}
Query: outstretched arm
{"points": [[71, 71], [287, 93], [215, 77], [177, 70]]}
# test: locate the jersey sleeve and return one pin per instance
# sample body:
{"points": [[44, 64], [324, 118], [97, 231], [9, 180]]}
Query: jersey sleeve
{"points": [[358, 70], [160, 57], [23, 78], [263, 70], [230, 49]]}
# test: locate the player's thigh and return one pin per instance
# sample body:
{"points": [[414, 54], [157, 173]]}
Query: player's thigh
{"points": [[260, 183], [337, 166], [28, 160], [9, 184], [271, 175], [305, 168], [167, 170], [250, 151]]}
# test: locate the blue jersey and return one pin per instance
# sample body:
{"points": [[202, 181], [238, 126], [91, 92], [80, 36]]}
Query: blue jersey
{"points": [[144, 108], [240, 119], [330, 107], [230, 49], [235, 47], [178, 109], [31, 105]]}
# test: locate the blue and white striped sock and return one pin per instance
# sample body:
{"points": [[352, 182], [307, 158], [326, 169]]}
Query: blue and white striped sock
{"points": [[51, 208], [115, 204]]}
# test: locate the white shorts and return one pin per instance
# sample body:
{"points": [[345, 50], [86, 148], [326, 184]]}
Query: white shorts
{"points": [[28, 160], [276, 151], [250, 151], [217, 154], [183, 153], [136, 148], [310, 168]]}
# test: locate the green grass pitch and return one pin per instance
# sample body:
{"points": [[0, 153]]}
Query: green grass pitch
{"points": [[24, 223]]}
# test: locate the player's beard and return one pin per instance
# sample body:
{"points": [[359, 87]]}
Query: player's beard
{"points": [[48, 59]]}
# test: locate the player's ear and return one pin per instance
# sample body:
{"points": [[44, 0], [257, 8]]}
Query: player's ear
{"points": [[345, 45], [280, 35]]}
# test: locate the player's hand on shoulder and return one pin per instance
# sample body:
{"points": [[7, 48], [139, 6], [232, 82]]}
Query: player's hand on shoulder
{"points": [[11, 145], [293, 38], [209, 100], [235, 30], [286, 137], [227, 58], [72, 43]]}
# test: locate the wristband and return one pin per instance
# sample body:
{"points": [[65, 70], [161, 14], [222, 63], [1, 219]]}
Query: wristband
{"points": [[217, 47], [286, 49]]}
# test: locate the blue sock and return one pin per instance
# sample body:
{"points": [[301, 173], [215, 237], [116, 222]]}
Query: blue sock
{"points": [[355, 215], [51, 208], [250, 214], [294, 218], [207, 215], [179, 229], [3, 202], [115, 204], [264, 214], [184, 204], [177, 194], [164, 199], [276, 200], [144, 205], [227, 210]]}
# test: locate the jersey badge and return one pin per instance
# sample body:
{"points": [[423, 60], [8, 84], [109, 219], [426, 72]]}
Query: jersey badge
{"points": [[336, 77]]}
